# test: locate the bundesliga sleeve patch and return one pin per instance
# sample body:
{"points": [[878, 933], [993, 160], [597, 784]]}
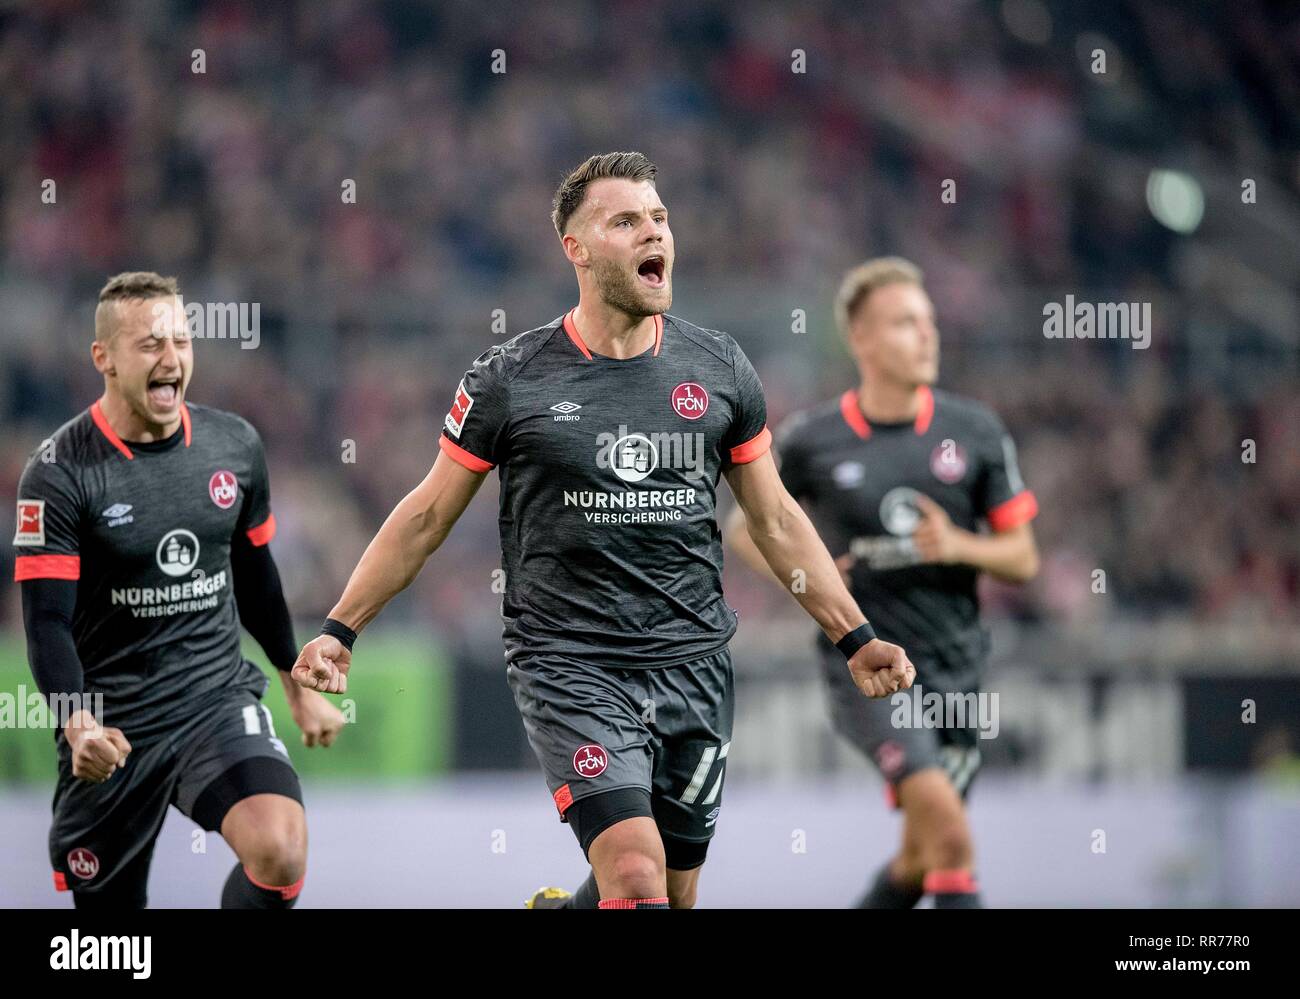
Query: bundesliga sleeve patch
{"points": [[460, 407], [31, 522]]}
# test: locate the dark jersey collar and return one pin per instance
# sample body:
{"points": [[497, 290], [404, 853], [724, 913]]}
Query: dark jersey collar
{"points": [[101, 421], [851, 410], [576, 337]]}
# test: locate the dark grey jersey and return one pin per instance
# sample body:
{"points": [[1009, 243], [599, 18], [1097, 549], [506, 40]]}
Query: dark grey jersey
{"points": [[145, 531], [859, 481], [609, 470]]}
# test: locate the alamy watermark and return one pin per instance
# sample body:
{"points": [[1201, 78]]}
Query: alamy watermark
{"points": [[919, 708], [32, 709], [634, 456], [1101, 321], [240, 321]]}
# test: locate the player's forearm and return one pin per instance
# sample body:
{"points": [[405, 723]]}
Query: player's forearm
{"points": [[736, 535], [1012, 557], [392, 560], [796, 555]]}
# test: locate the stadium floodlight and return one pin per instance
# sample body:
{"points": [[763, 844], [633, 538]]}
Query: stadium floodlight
{"points": [[1176, 200]]}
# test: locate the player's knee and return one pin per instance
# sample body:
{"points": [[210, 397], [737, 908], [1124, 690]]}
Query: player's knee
{"points": [[276, 854], [948, 845], [634, 873]]}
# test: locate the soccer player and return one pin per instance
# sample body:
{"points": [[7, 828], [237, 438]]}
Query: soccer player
{"points": [[898, 476], [142, 544], [610, 427]]}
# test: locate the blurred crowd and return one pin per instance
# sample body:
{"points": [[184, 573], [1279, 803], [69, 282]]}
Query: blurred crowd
{"points": [[779, 172]]}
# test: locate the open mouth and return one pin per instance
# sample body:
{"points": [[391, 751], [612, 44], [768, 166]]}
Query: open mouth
{"points": [[163, 392], [652, 271]]}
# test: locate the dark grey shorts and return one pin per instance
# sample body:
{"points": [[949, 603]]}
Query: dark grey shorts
{"points": [[665, 730], [104, 833], [897, 750]]}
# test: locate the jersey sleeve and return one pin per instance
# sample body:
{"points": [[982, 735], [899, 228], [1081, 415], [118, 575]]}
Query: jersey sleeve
{"points": [[47, 535], [748, 437], [473, 431], [256, 521], [1003, 498], [792, 457]]}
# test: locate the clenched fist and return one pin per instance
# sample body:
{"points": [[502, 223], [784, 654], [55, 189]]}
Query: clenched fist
{"points": [[323, 665], [880, 669], [97, 752]]}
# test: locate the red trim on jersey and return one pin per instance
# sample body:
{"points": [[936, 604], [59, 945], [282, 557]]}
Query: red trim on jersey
{"points": [[926, 413], [563, 798], [949, 882], [852, 414], [47, 567], [571, 328], [462, 457], [851, 410], [286, 891], [263, 532], [891, 796], [755, 447], [101, 421], [60, 881], [574, 335], [1020, 509]]}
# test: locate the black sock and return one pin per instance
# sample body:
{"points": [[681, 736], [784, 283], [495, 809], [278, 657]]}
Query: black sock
{"points": [[953, 889], [241, 893], [886, 893], [587, 895]]}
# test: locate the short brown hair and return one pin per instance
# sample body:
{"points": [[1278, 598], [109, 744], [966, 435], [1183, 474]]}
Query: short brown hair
{"points": [[569, 195], [859, 283], [131, 285]]}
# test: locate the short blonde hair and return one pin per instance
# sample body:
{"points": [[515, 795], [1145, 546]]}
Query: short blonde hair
{"points": [[859, 283], [128, 286]]}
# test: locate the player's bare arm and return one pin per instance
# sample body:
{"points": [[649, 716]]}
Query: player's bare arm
{"points": [[789, 545], [1010, 555], [412, 533]]}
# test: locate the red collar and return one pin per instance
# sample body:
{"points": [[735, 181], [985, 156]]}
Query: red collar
{"points": [[851, 410], [576, 337], [101, 421]]}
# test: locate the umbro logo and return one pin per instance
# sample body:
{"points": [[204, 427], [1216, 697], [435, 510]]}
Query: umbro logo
{"points": [[117, 514], [566, 411]]}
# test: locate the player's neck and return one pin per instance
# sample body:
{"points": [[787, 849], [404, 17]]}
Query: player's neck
{"points": [[129, 426], [611, 332], [888, 402]]}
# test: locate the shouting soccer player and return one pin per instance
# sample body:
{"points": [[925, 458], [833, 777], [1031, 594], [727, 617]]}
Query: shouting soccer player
{"points": [[898, 476], [610, 427], [142, 545]]}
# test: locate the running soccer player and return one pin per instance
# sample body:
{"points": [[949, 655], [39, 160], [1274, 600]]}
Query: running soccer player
{"points": [[142, 544], [898, 476], [610, 427]]}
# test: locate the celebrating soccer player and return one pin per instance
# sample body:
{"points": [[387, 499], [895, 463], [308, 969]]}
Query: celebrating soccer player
{"points": [[610, 426], [142, 545], [897, 476]]}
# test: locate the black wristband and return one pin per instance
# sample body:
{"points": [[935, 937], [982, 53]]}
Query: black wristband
{"points": [[855, 639], [340, 631]]}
